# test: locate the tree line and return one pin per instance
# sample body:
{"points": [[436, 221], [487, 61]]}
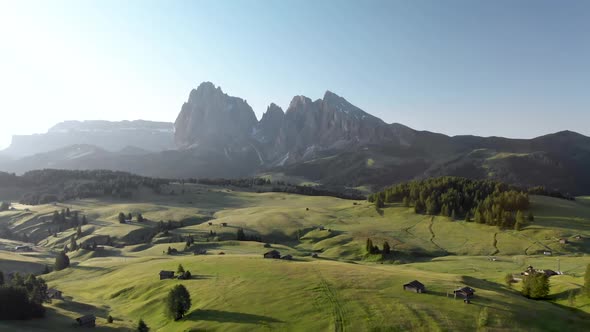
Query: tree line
{"points": [[484, 201], [52, 185], [22, 297]]}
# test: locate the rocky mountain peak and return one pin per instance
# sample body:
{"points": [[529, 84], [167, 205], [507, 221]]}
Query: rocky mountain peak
{"points": [[210, 115]]}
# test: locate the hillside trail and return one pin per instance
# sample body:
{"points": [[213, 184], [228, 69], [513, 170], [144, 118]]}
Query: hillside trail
{"points": [[432, 235], [495, 245], [338, 312]]}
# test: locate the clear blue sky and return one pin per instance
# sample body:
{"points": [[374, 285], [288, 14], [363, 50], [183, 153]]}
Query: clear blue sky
{"points": [[507, 68]]}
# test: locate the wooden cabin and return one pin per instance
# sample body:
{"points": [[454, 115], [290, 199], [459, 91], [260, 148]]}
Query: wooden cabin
{"points": [[54, 294], [166, 275], [87, 321], [465, 292], [274, 254], [415, 286]]}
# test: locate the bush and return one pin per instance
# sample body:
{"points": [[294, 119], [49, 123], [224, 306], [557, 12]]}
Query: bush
{"points": [[110, 319]]}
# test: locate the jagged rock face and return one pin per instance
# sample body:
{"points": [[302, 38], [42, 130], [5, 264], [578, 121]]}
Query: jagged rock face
{"points": [[328, 123], [211, 116], [270, 125]]}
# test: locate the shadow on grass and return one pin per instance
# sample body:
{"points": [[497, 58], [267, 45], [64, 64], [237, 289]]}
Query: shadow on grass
{"points": [[230, 317], [81, 308]]}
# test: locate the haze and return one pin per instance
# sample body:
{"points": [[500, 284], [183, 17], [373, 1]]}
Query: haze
{"points": [[503, 68]]}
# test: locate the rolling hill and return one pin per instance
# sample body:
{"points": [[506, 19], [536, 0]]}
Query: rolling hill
{"points": [[342, 289]]}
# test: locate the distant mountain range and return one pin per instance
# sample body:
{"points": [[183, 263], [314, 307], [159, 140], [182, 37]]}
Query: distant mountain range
{"points": [[327, 140], [111, 136]]}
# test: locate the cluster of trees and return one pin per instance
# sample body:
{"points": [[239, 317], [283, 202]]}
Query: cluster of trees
{"points": [[129, 217], [372, 249], [241, 236], [542, 191], [486, 201], [182, 274], [51, 185], [242, 183], [535, 285], [66, 219], [22, 297]]}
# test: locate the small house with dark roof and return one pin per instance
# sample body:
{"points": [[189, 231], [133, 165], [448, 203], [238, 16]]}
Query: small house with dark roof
{"points": [[415, 286], [273, 254], [166, 275], [465, 292], [87, 321], [54, 294]]}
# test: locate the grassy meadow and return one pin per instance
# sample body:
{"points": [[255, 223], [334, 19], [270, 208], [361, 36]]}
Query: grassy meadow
{"points": [[235, 289]]}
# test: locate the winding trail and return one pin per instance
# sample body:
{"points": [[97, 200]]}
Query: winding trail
{"points": [[495, 244], [432, 235]]}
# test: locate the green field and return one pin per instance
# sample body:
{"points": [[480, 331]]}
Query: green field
{"points": [[341, 290]]}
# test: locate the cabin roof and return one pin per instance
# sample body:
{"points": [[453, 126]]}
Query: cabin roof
{"points": [[415, 284]]}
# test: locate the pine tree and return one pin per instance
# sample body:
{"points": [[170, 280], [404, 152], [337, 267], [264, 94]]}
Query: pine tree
{"points": [[386, 248], [535, 286], [79, 232], [84, 221], [62, 261], [369, 246], [178, 302], [140, 218], [142, 326], [73, 244], [121, 217], [110, 319], [129, 216], [180, 269]]}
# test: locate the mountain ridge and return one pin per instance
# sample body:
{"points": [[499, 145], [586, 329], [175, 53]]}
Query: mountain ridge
{"points": [[331, 141]]}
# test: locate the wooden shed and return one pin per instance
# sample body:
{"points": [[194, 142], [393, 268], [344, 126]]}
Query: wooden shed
{"points": [[415, 286], [87, 321], [465, 292], [54, 294], [166, 275], [273, 254]]}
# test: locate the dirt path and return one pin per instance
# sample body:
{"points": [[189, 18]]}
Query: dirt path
{"points": [[337, 310]]}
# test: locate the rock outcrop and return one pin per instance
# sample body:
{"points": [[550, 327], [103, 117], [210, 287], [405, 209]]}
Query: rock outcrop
{"points": [[212, 117]]}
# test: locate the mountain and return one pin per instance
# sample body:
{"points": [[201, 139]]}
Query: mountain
{"points": [[111, 136], [329, 141], [212, 117]]}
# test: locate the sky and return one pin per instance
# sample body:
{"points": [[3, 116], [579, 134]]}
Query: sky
{"points": [[488, 68]]}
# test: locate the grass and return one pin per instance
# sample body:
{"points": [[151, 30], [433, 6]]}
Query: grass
{"points": [[342, 290]]}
